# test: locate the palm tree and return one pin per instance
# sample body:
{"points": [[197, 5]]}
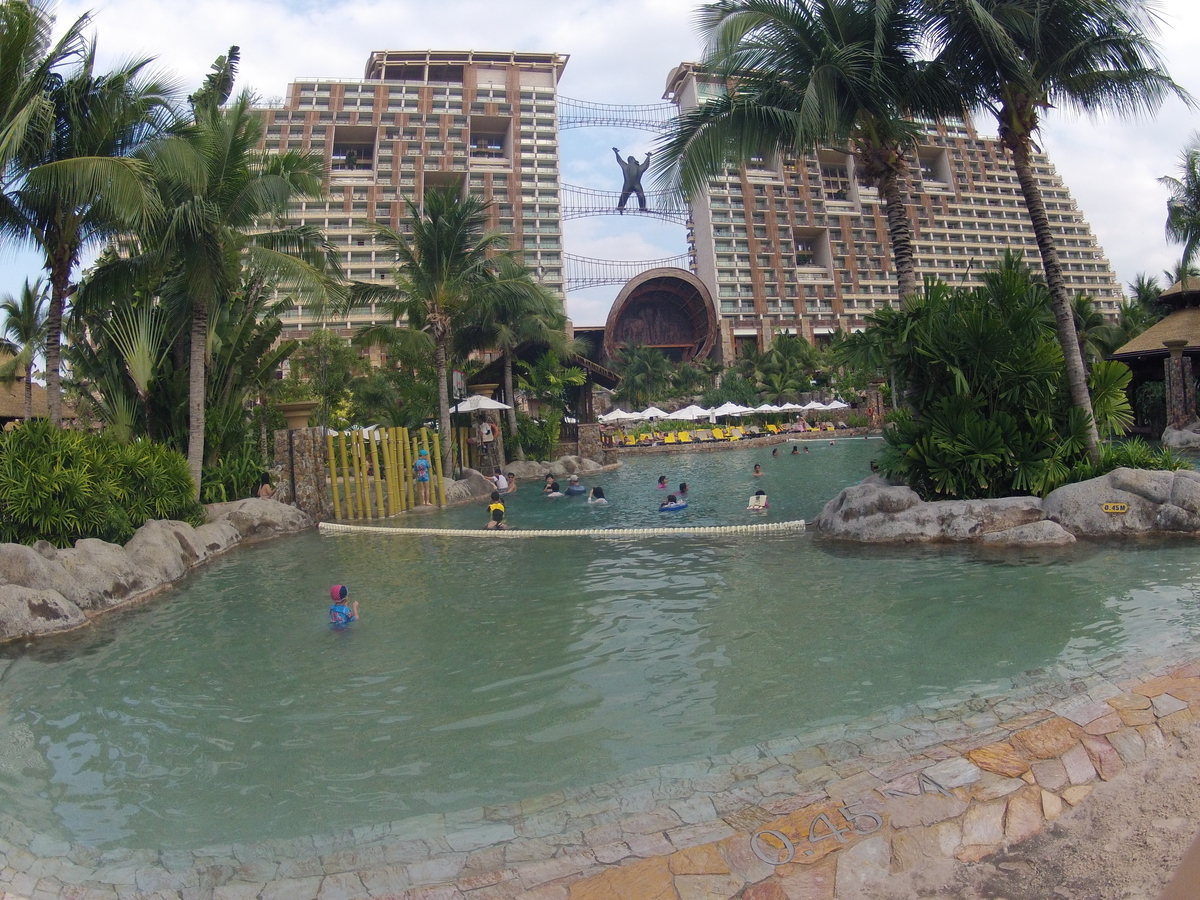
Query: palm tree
{"points": [[221, 197], [443, 272], [1019, 58], [1090, 327], [79, 184], [803, 74], [1183, 206], [1145, 290], [513, 310], [645, 375], [28, 62], [24, 336], [1181, 272]]}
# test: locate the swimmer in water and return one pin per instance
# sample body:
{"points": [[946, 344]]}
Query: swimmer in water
{"points": [[795, 451], [759, 501], [683, 489], [597, 496], [757, 470], [774, 451], [806, 449], [496, 523], [671, 504], [662, 482], [341, 614]]}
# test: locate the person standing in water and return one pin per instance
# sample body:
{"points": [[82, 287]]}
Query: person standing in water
{"points": [[341, 613], [421, 474]]}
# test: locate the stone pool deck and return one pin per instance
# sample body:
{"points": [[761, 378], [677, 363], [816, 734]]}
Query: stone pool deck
{"points": [[818, 816]]}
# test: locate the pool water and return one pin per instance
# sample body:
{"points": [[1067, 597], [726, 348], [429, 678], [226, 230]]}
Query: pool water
{"points": [[484, 672]]}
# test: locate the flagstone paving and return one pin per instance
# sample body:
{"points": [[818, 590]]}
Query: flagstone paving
{"points": [[816, 816]]}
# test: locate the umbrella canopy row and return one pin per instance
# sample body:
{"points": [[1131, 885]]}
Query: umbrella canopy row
{"points": [[694, 413]]}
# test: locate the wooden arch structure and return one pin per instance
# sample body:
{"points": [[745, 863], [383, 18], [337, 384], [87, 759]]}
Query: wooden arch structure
{"points": [[669, 309]]}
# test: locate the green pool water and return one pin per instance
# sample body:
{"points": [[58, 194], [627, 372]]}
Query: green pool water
{"points": [[483, 672]]}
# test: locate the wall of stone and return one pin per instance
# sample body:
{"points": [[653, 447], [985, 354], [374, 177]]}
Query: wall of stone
{"points": [[302, 467]]}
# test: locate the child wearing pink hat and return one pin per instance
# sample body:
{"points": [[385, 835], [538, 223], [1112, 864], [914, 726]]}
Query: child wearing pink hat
{"points": [[341, 614]]}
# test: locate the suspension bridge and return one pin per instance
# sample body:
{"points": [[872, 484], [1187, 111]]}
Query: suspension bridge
{"points": [[578, 202], [585, 114], [584, 272]]}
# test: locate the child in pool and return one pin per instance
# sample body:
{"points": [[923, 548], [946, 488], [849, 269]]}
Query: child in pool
{"points": [[341, 614], [757, 470], [662, 482], [795, 451], [759, 501], [671, 504], [421, 474], [496, 523], [496, 504], [597, 496], [683, 489]]}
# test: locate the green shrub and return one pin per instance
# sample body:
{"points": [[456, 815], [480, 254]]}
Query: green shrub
{"points": [[235, 477], [61, 486], [857, 420], [539, 437]]}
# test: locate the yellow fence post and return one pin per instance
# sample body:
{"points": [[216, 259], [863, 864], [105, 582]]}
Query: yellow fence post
{"points": [[389, 469], [402, 467], [398, 457], [347, 485], [378, 473], [333, 477], [364, 460], [437, 456], [356, 459]]}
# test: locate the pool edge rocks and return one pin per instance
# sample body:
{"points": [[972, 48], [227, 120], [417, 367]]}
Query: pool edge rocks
{"points": [[823, 814], [45, 590], [1123, 502]]}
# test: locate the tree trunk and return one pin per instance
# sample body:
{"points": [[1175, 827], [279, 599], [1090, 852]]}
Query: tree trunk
{"points": [[511, 399], [439, 360], [29, 392], [892, 379], [1064, 314], [60, 274], [196, 382], [900, 235]]}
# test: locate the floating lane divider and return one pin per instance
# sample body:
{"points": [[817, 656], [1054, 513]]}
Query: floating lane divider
{"points": [[613, 533]]}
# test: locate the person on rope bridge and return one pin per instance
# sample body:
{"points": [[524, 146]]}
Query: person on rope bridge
{"points": [[633, 171]]}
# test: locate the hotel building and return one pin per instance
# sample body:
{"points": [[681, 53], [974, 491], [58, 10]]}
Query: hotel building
{"points": [[801, 246], [417, 120]]}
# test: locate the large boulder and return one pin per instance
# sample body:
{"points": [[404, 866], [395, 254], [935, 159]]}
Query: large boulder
{"points": [[43, 571], [256, 519], [472, 486], [1186, 438], [876, 512], [104, 573], [162, 551], [25, 612], [1036, 534], [1155, 501]]}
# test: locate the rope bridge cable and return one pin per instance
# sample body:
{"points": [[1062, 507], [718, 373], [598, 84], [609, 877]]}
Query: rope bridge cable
{"points": [[584, 272], [578, 202], [584, 114], [617, 534]]}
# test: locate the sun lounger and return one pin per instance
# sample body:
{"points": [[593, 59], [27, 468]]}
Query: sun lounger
{"points": [[718, 435], [631, 440], [669, 438], [736, 434], [704, 437], [754, 431], [773, 429], [685, 437]]}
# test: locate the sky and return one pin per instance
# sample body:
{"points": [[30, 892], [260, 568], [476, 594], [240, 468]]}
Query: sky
{"points": [[620, 52]]}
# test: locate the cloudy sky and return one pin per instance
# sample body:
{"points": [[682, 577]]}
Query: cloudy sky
{"points": [[620, 52]]}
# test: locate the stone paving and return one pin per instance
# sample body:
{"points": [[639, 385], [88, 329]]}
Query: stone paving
{"points": [[811, 817]]}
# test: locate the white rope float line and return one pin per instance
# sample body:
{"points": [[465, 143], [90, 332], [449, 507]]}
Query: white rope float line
{"points": [[615, 533]]}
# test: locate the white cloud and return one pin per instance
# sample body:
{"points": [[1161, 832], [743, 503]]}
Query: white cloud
{"points": [[620, 52]]}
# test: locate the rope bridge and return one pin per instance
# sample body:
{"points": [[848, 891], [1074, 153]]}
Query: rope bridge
{"points": [[619, 534], [585, 114], [584, 272], [578, 202]]}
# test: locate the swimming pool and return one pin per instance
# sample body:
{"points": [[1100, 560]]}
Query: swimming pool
{"points": [[487, 672]]}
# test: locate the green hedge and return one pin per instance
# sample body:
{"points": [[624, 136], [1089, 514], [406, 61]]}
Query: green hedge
{"points": [[61, 486]]}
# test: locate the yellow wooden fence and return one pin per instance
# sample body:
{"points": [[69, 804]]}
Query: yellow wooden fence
{"points": [[376, 477]]}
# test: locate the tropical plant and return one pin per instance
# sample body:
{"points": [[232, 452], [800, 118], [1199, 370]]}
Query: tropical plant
{"points": [[1183, 206], [803, 74], [1090, 329], [23, 336], [548, 381], [991, 412], [646, 376], [450, 260], [1019, 58], [514, 310], [234, 477], [328, 365], [61, 486], [221, 199], [78, 182]]}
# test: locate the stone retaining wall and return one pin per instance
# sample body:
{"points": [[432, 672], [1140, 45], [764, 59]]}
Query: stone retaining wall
{"points": [[818, 816], [44, 590]]}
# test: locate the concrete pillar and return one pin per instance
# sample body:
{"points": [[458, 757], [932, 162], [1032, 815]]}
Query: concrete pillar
{"points": [[300, 460], [589, 441], [1180, 388]]}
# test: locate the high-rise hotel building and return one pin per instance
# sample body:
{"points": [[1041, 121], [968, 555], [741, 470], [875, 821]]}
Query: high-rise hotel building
{"points": [[421, 119], [801, 246]]}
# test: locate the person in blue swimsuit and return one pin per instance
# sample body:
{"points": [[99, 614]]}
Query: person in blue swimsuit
{"points": [[421, 474], [341, 614]]}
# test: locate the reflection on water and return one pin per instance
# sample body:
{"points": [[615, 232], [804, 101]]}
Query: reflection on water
{"points": [[486, 672]]}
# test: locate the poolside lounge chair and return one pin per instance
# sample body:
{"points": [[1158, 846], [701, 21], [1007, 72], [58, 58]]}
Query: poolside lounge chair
{"points": [[718, 435], [631, 440], [704, 437], [773, 429], [669, 438], [736, 434], [685, 437], [754, 431]]}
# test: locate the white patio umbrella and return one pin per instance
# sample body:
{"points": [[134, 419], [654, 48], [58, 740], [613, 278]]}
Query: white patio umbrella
{"points": [[653, 412], [477, 402], [790, 407], [690, 413], [730, 409], [768, 408], [813, 404], [619, 415], [836, 404]]}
